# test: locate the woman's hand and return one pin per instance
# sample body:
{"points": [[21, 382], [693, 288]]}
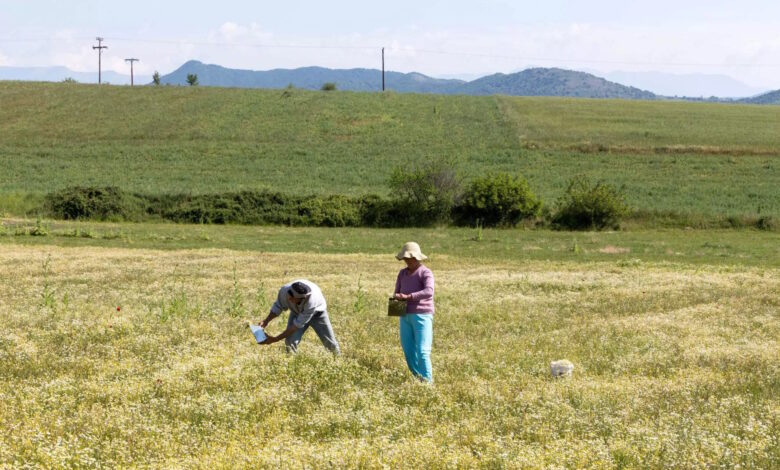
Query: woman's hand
{"points": [[400, 296]]}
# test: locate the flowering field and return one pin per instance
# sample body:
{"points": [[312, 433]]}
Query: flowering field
{"points": [[120, 357]]}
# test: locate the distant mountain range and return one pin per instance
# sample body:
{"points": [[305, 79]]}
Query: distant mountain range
{"points": [[58, 74], [530, 82], [773, 97], [693, 84], [310, 78]]}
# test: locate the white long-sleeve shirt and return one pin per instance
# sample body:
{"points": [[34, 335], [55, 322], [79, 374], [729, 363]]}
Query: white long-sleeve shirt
{"points": [[314, 303]]}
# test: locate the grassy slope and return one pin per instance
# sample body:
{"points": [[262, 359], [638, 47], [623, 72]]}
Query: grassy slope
{"points": [[686, 157], [646, 126], [208, 139]]}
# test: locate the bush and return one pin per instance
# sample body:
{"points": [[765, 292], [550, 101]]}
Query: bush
{"points": [[330, 86], [373, 210], [258, 208], [96, 203], [425, 194], [497, 200], [378, 212], [586, 206], [244, 207], [330, 211]]}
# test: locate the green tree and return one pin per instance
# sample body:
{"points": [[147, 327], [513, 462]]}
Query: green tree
{"points": [[156, 78], [329, 86], [192, 79]]}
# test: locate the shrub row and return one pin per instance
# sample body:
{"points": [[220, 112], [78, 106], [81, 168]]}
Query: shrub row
{"points": [[488, 201], [493, 200], [244, 207]]}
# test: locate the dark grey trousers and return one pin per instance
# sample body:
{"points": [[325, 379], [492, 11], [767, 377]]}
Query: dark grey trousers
{"points": [[321, 324]]}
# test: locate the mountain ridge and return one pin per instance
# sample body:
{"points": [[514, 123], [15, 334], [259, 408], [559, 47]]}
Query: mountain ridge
{"points": [[699, 85], [311, 77], [530, 82], [536, 81], [770, 97], [60, 73], [553, 82]]}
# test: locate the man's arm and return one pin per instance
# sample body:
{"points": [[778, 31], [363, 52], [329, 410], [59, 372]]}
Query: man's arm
{"points": [[271, 316], [273, 339], [277, 308], [301, 319]]}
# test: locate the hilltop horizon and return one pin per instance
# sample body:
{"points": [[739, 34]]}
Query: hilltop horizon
{"points": [[688, 86], [661, 84]]}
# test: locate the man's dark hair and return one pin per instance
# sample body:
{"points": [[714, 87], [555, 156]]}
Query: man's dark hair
{"points": [[299, 290]]}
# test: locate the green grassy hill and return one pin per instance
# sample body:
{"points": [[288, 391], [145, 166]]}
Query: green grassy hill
{"points": [[698, 158]]}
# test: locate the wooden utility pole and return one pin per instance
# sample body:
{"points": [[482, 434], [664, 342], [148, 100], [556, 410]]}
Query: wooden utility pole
{"points": [[131, 69], [383, 69], [100, 48]]}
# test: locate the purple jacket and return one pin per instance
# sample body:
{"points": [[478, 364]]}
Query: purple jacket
{"points": [[420, 285]]}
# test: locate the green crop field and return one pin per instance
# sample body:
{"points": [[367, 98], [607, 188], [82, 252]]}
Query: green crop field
{"points": [[646, 126], [691, 158]]}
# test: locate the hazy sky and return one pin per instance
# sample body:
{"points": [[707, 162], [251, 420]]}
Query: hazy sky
{"points": [[438, 38]]}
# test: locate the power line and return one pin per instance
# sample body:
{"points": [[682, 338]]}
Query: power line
{"points": [[195, 43], [445, 52], [413, 50], [233, 44], [592, 61], [441, 52]]}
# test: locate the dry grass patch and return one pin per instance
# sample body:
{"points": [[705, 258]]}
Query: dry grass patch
{"points": [[613, 250]]}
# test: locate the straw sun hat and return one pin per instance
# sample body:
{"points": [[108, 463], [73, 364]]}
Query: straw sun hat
{"points": [[411, 250]]}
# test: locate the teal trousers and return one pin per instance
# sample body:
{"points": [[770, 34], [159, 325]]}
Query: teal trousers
{"points": [[416, 341]]}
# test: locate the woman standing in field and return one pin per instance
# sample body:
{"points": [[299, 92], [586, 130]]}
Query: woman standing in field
{"points": [[415, 285]]}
